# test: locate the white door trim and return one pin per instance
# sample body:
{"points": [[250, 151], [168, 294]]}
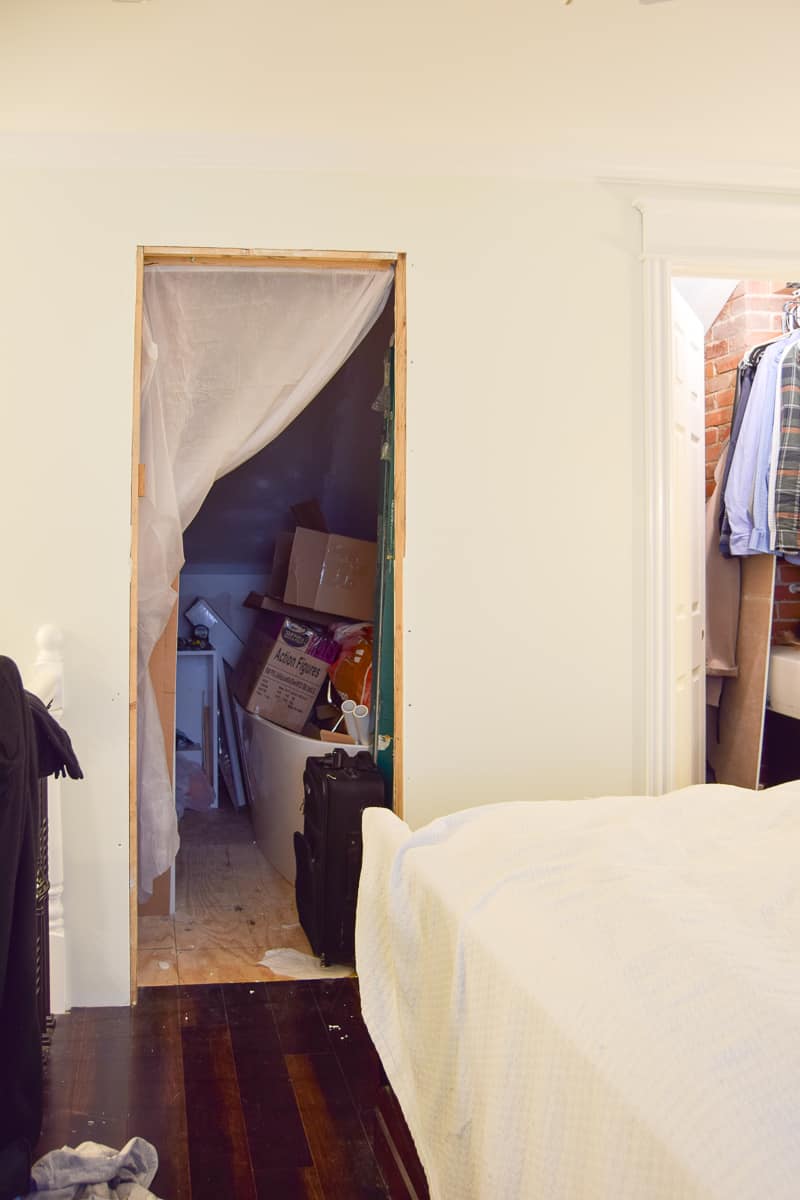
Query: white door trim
{"points": [[657, 658], [687, 231]]}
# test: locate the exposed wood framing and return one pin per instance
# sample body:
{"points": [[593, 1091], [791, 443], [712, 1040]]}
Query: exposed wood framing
{"points": [[133, 853], [323, 260], [400, 355], [163, 673]]}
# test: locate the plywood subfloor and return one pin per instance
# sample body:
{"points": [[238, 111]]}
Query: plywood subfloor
{"points": [[230, 906]]}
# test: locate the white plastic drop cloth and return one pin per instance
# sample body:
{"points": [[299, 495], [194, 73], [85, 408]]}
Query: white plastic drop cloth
{"points": [[230, 357]]}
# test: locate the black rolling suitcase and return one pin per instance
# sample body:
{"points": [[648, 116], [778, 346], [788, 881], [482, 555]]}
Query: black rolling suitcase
{"points": [[328, 853]]}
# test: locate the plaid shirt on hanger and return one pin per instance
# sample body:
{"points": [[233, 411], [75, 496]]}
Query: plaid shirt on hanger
{"points": [[787, 484]]}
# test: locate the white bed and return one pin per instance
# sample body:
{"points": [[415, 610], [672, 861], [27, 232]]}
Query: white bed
{"points": [[597, 1000]]}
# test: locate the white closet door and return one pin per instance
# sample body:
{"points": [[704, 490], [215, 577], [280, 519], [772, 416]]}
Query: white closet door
{"points": [[688, 546]]}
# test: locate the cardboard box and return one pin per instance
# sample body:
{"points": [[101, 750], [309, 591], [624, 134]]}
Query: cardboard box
{"points": [[282, 669], [280, 564], [332, 574]]}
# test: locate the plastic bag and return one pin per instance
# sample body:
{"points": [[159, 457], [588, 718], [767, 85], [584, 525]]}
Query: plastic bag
{"points": [[192, 786], [351, 674]]}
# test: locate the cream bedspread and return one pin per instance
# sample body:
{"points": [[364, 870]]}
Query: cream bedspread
{"points": [[596, 1000]]}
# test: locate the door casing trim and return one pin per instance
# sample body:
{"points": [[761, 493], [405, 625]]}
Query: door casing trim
{"points": [[732, 233]]}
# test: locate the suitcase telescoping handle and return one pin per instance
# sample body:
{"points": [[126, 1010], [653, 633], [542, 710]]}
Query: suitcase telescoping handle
{"points": [[340, 760]]}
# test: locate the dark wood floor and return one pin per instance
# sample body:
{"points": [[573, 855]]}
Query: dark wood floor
{"points": [[247, 1091]]}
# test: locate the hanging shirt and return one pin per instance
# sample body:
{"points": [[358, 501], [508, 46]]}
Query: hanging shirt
{"points": [[787, 485], [762, 537], [747, 490], [773, 459], [744, 382]]}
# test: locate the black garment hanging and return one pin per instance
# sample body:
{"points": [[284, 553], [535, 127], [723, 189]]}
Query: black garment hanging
{"points": [[745, 374], [32, 746], [20, 1045], [53, 747]]}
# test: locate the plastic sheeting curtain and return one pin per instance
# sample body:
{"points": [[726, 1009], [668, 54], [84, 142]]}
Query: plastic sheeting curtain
{"points": [[230, 356]]}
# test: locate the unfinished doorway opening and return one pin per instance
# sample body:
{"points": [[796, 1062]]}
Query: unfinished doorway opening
{"points": [[320, 269]]}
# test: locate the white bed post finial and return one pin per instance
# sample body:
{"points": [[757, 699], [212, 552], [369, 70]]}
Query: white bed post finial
{"points": [[48, 684]]}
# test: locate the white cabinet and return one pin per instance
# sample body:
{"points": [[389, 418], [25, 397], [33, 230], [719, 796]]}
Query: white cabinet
{"points": [[196, 710]]}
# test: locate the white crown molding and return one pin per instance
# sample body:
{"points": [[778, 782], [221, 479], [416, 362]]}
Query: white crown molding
{"points": [[345, 155], [733, 232]]}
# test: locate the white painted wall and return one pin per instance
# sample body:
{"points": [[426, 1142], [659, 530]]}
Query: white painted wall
{"points": [[519, 463], [411, 130]]}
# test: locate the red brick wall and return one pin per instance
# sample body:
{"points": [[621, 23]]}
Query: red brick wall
{"points": [[751, 315]]}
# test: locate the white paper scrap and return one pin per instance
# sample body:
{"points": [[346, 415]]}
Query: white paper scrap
{"points": [[298, 965]]}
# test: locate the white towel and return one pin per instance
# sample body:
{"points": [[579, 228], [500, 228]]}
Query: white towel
{"points": [[95, 1172]]}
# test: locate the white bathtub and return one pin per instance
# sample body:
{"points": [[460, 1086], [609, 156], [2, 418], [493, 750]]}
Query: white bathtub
{"points": [[274, 759]]}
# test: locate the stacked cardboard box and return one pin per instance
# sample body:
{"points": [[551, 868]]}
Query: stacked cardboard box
{"points": [[318, 578], [325, 572], [282, 669]]}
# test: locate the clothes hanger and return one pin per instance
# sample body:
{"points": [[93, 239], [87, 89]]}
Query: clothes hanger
{"points": [[790, 323], [791, 310]]}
